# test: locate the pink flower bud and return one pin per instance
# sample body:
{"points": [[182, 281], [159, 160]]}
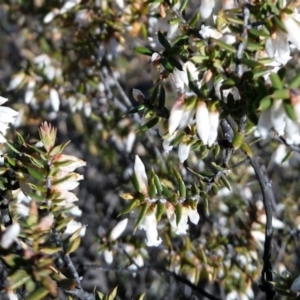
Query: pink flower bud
{"points": [[176, 114]]}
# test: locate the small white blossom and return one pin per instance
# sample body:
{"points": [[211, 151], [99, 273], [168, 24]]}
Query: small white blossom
{"points": [[202, 122], [140, 173], [118, 230], [149, 224], [9, 235]]}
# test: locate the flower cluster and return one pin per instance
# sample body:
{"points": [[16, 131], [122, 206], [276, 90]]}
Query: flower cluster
{"points": [[149, 215], [277, 118]]}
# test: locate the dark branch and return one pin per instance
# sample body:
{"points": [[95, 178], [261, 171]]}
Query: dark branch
{"points": [[268, 197]]}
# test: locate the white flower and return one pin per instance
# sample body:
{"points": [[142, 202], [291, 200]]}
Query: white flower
{"points": [[68, 5], [118, 230], [140, 173], [278, 117], [292, 132], [149, 224], [264, 124], [9, 235], [213, 123], [72, 227], [207, 32], [202, 122], [206, 9], [108, 256], [176, 114], [183, 151], [292, 26], [277, 47], [182, 226], [54, 99]]}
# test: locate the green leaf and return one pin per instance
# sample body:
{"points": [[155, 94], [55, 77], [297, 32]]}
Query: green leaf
{"points": [[150, 124], [160, 210], [254, 47], [183, 5], [50, 250], [73, 246], [279, 23], [224, 46], [113, 294], [166, 64], [258, 33], [194, 19], [178, 213], [128, 208], [136, 109], [157, 184], [247, 149], [17, 279], [289, 111], [295, 82], [163, 40], [265, 103], [38, 294], [281, 94], [152, 188], [143, 50], [226, 183], [141, 216], [215, 189], [276, 81], [59, 149], [238, 140], [12, 147], [199, 59], [175, 63], [36, 174]]}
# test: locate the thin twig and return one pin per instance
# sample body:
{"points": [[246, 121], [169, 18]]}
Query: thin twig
{"points": [[268, 197], [161, 269], [67, 260], [244, 35]]}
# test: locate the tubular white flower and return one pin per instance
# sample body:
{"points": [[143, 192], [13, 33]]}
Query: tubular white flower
{"points": [[183, 151], [73, 226], [214, 123], [176, 114], [292, 27], [264, 124], [206, 9], [202, 122], [149, 224], [9, 235], [192, 71], [182, 226], [292, 132], [180, 78], [54, 99], [167, 141], [118, 230], [277, 47], [108, 256], [140, 173], [278, 116]]}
